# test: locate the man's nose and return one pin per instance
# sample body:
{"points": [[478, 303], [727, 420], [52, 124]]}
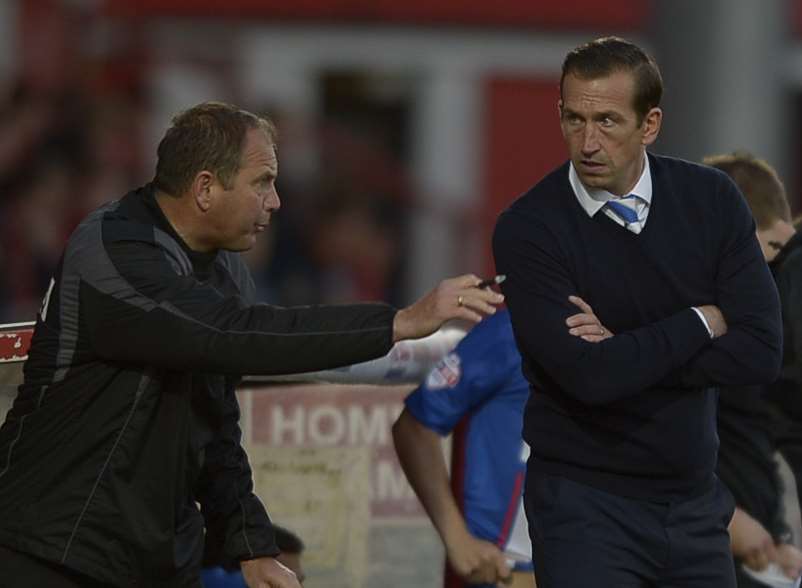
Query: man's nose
{"points": [[272, 202], [590, 139]]}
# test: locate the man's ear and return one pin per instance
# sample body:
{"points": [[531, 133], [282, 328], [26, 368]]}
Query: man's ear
{"points": [[202, 190], [651, 126]]}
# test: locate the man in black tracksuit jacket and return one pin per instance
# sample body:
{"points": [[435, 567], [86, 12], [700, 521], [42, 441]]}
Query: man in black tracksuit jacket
{"points": [[786, 392], [127, 416], [751, 429]]}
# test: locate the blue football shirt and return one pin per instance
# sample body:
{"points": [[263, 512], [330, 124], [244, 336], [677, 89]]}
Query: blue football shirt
{"points": [[482, 379]]}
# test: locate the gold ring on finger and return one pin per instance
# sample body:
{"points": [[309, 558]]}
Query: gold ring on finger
{"points": [[460, 300]]}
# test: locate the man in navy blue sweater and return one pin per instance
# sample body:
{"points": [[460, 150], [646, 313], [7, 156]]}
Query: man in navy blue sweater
{"points": [[621, 489]]}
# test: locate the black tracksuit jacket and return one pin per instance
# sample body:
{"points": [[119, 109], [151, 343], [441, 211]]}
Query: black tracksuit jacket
{"points": [[786, 393], [127, 417]]}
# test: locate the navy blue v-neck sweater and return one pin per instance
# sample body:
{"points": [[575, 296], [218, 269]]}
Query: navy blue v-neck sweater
{"points": [[636, 414]]}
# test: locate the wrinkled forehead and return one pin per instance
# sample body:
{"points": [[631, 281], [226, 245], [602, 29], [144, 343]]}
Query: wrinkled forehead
{"points": [[616, 89], [258, 149]]}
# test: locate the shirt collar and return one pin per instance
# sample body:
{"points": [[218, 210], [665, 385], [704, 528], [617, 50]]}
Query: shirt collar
{"points": [[593, 200]]}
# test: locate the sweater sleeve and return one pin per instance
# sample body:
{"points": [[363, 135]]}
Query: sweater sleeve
{"points": [[138, 308], [537, 289], [751, 351]]}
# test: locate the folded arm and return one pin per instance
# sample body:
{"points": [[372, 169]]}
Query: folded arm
{"points": [[537, 291], [750, 352]]}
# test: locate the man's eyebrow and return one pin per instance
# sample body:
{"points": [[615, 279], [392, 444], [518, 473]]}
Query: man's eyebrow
{"points": [[608, 114]]}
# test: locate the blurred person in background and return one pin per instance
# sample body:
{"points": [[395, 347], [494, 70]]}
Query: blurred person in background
{"points": [[34, 229], [747, 425], [341, 235], [114, 152], [121, 453], [621, 487], [43, 150], [44, 113], [356, 246]]}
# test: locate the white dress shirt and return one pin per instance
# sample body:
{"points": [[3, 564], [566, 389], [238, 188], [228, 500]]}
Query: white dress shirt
{"points": [[592, 200]]}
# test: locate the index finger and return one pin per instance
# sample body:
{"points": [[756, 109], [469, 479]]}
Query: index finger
{"points": [[467, 281], [582, 318], [584, 306]]}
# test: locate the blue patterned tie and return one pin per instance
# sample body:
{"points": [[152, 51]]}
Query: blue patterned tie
{"points": [[626, 213]]}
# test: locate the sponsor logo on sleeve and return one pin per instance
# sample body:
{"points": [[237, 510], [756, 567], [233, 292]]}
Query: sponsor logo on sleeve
{"points": [[445, 374]]}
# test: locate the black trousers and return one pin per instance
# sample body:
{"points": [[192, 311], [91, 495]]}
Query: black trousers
{"points": [[585, 537], [20, 570]]}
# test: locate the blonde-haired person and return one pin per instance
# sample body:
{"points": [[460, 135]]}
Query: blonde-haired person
{"points": [[748, 424]]}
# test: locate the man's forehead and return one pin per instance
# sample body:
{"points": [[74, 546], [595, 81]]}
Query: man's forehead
{"points": [[614, 89], [260, 148], [258, 137]]}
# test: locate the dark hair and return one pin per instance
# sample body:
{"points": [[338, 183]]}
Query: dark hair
{"points": [[287, 541], [209, 137], [602, 57], [759, 183]]}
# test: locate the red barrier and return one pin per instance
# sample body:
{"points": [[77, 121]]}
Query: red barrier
{"points": [[15, 339]]}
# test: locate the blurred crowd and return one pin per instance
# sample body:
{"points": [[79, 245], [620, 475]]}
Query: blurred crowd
{"points": [[73, 124], [68, 141]]}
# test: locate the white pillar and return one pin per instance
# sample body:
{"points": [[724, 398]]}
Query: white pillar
{"points": [[446, 171], [724, 78]]}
